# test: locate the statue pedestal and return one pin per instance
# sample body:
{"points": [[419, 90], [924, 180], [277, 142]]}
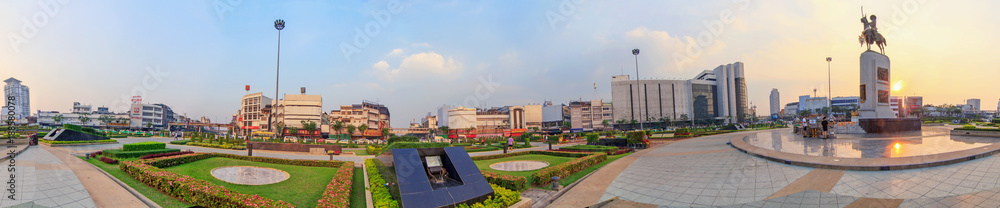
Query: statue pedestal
{"points": [[875, 91]]}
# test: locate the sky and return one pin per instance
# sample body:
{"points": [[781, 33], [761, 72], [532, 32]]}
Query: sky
{"points": [[413, 56]]}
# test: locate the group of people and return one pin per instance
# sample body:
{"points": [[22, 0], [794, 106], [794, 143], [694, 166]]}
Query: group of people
{"points": [[809, 127]]}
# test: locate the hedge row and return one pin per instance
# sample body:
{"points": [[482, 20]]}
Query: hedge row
{"points": [[544, 176], [221, 146], [118, 153], [502, 197], [591, 148], [498, 156], [142, 146], [406, 145], [180, 142], [516, 183], [192, 190], [338, 192], [380, 194], [177, 160], [480, 149], [76, 142], [373, 149], [151, 156], [108, 160]]}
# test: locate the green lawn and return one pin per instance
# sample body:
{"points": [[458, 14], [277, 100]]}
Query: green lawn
{"points": [[154, 194], [484, 165], [303, 188], [358, 188], [358, 152]]}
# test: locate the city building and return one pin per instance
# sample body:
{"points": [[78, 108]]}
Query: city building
{"points": [[429, 121], [895, 103], [442, 115], [914, 104], [494, 118], [974, 103], [461, 118], [81, 108], [802, 102], [553, 116], [718, 94], [21, 106], [791, 109], [156, 116], [590, 115], [49, 118], [533, 116], [375, 116], [850, 102], [295, 109], [250, 118], [775, 102], [813, 105]]}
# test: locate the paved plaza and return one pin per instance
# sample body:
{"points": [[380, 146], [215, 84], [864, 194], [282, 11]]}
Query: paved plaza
{"points": [[707, 172]]}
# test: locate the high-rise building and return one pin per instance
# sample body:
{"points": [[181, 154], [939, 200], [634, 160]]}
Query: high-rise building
{"points": [[21, 106], [914, 103], [295, 109], [974, 103], [442, 115], [775, 101], [250, 118], [718, 94]]}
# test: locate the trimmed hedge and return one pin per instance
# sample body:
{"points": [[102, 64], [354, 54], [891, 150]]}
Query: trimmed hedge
{"points": [[593, 138], [151, 156], [501, 198], [373, 149], [544, 176], [221, 146], [591, 148], [180, 142], [480, 148], [142, 146], [192, 190], [516, 183], [118, 153], [407, 145], [498, 156], [108, 160], [338, 192], [380, 194], [76, 142], [42, 134]]}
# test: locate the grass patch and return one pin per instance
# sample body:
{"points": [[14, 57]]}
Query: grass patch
{"points": [[576, 176], [158, 197], [484, 165], [358, 152], [358, 189], [303, 188]]}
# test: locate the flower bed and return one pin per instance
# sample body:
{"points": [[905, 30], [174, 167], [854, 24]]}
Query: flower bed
{"points": [[206, 194], [118, 153], [108, 160], [544, 176], [142, 146], [151, 156], [380, 194], [590, 148], [502, 197], [480, 148], [221, 146], [338, 192], [516, 183]]}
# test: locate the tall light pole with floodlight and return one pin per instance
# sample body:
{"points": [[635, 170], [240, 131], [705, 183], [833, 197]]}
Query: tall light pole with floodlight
{"points": [[829, 86], [635, 52], [278, 24]]}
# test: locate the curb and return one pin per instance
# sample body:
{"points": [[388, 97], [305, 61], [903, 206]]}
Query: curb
{"points": [[16, 153], [135, 193], [368, 190]]}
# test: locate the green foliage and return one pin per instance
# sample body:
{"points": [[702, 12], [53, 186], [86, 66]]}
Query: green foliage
{"points": [[42, 134], [969, 127], [142, 146], [338, 192], [394, 139], [501, 198], [78, 142], [461, 144], [373, 149], [592, 138], [220, 146], [119, 153], [407, 145], [591, 148], [380, 194], [635, 137], [480, 148], [180, 142], [516, 183], [544, 176], [73, 127], [527, 141]]}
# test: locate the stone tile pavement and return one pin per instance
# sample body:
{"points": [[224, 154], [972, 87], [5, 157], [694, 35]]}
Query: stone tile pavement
{"points": [[42, 178]]}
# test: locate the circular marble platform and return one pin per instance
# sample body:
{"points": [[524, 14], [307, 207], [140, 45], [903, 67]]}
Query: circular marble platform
{"points": [[933, 146], [249, 175], [520, 165]]}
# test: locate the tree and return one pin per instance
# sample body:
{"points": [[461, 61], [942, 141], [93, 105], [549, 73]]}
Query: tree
{"points": [[337, 126], [58, 118], [83, 118], [604, 123], [683, 117], [470, 130], [106, 119], [362, 129], [280, 126], [350, 132], [309, 126], [385, 133], [149, 124], [444, 129]]}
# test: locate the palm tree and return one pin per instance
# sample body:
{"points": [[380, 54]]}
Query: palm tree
{"points": [[280, 126], [444, 129], [350, 132], [58, 118], [337, 126]]}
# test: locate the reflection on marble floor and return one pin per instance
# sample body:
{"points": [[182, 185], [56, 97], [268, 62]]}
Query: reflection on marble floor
{"points": [[926, 142]]}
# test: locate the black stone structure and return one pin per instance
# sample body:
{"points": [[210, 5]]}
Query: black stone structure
{"points": [[62, 134], [889, 125], [436, 177], [613, 142]]}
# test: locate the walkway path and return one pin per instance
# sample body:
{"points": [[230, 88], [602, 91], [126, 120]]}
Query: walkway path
{"points": [[48, 177], [705, 171]]}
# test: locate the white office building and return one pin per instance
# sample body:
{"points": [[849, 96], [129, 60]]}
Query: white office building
{"points": [[21, 100], [775, 102], [718, 94]]}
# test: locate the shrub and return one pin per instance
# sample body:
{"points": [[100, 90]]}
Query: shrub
{"points": [[480, 148], [591, 148], [527, 141], [108, 160], [221, 146], [338, 192], [118, 153], [192, 190], [142, 146], [968, 126], [42, 134], [502, 197], [150, 156], [516, 183], [73, 127], [544, 176], [380, 194], [461, 144], [180, 142], [373, 149], [592, 138], [406, 145], [394, 139]]}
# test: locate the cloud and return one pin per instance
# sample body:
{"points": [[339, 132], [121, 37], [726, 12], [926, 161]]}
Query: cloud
{"points": [[426, 45], [398, 51], [419, 66]]}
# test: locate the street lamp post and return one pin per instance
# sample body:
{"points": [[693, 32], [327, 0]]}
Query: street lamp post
{"points": [[829, 104], [278, 24], [635, 52]]}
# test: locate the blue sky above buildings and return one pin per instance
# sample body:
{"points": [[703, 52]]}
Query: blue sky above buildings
{"points": [[196, 56]]}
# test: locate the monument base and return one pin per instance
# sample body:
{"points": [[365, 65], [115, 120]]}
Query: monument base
{"points": [[889, 125]]}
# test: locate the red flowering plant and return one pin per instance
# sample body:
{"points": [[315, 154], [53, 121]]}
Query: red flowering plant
{"points": [[338, 192]]}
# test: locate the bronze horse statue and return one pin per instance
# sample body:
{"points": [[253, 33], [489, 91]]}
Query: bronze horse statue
{"points": [[870, 35]]}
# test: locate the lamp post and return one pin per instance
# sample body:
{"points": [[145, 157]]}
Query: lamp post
{"points": [[635, 52], [278, 24], [829, 86]]}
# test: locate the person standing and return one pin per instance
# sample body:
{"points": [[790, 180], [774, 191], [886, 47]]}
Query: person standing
{"points": [[510, 143], [825, 123]]}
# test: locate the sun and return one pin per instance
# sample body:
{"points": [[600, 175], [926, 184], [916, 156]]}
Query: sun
{"points": [[897, 86]]}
